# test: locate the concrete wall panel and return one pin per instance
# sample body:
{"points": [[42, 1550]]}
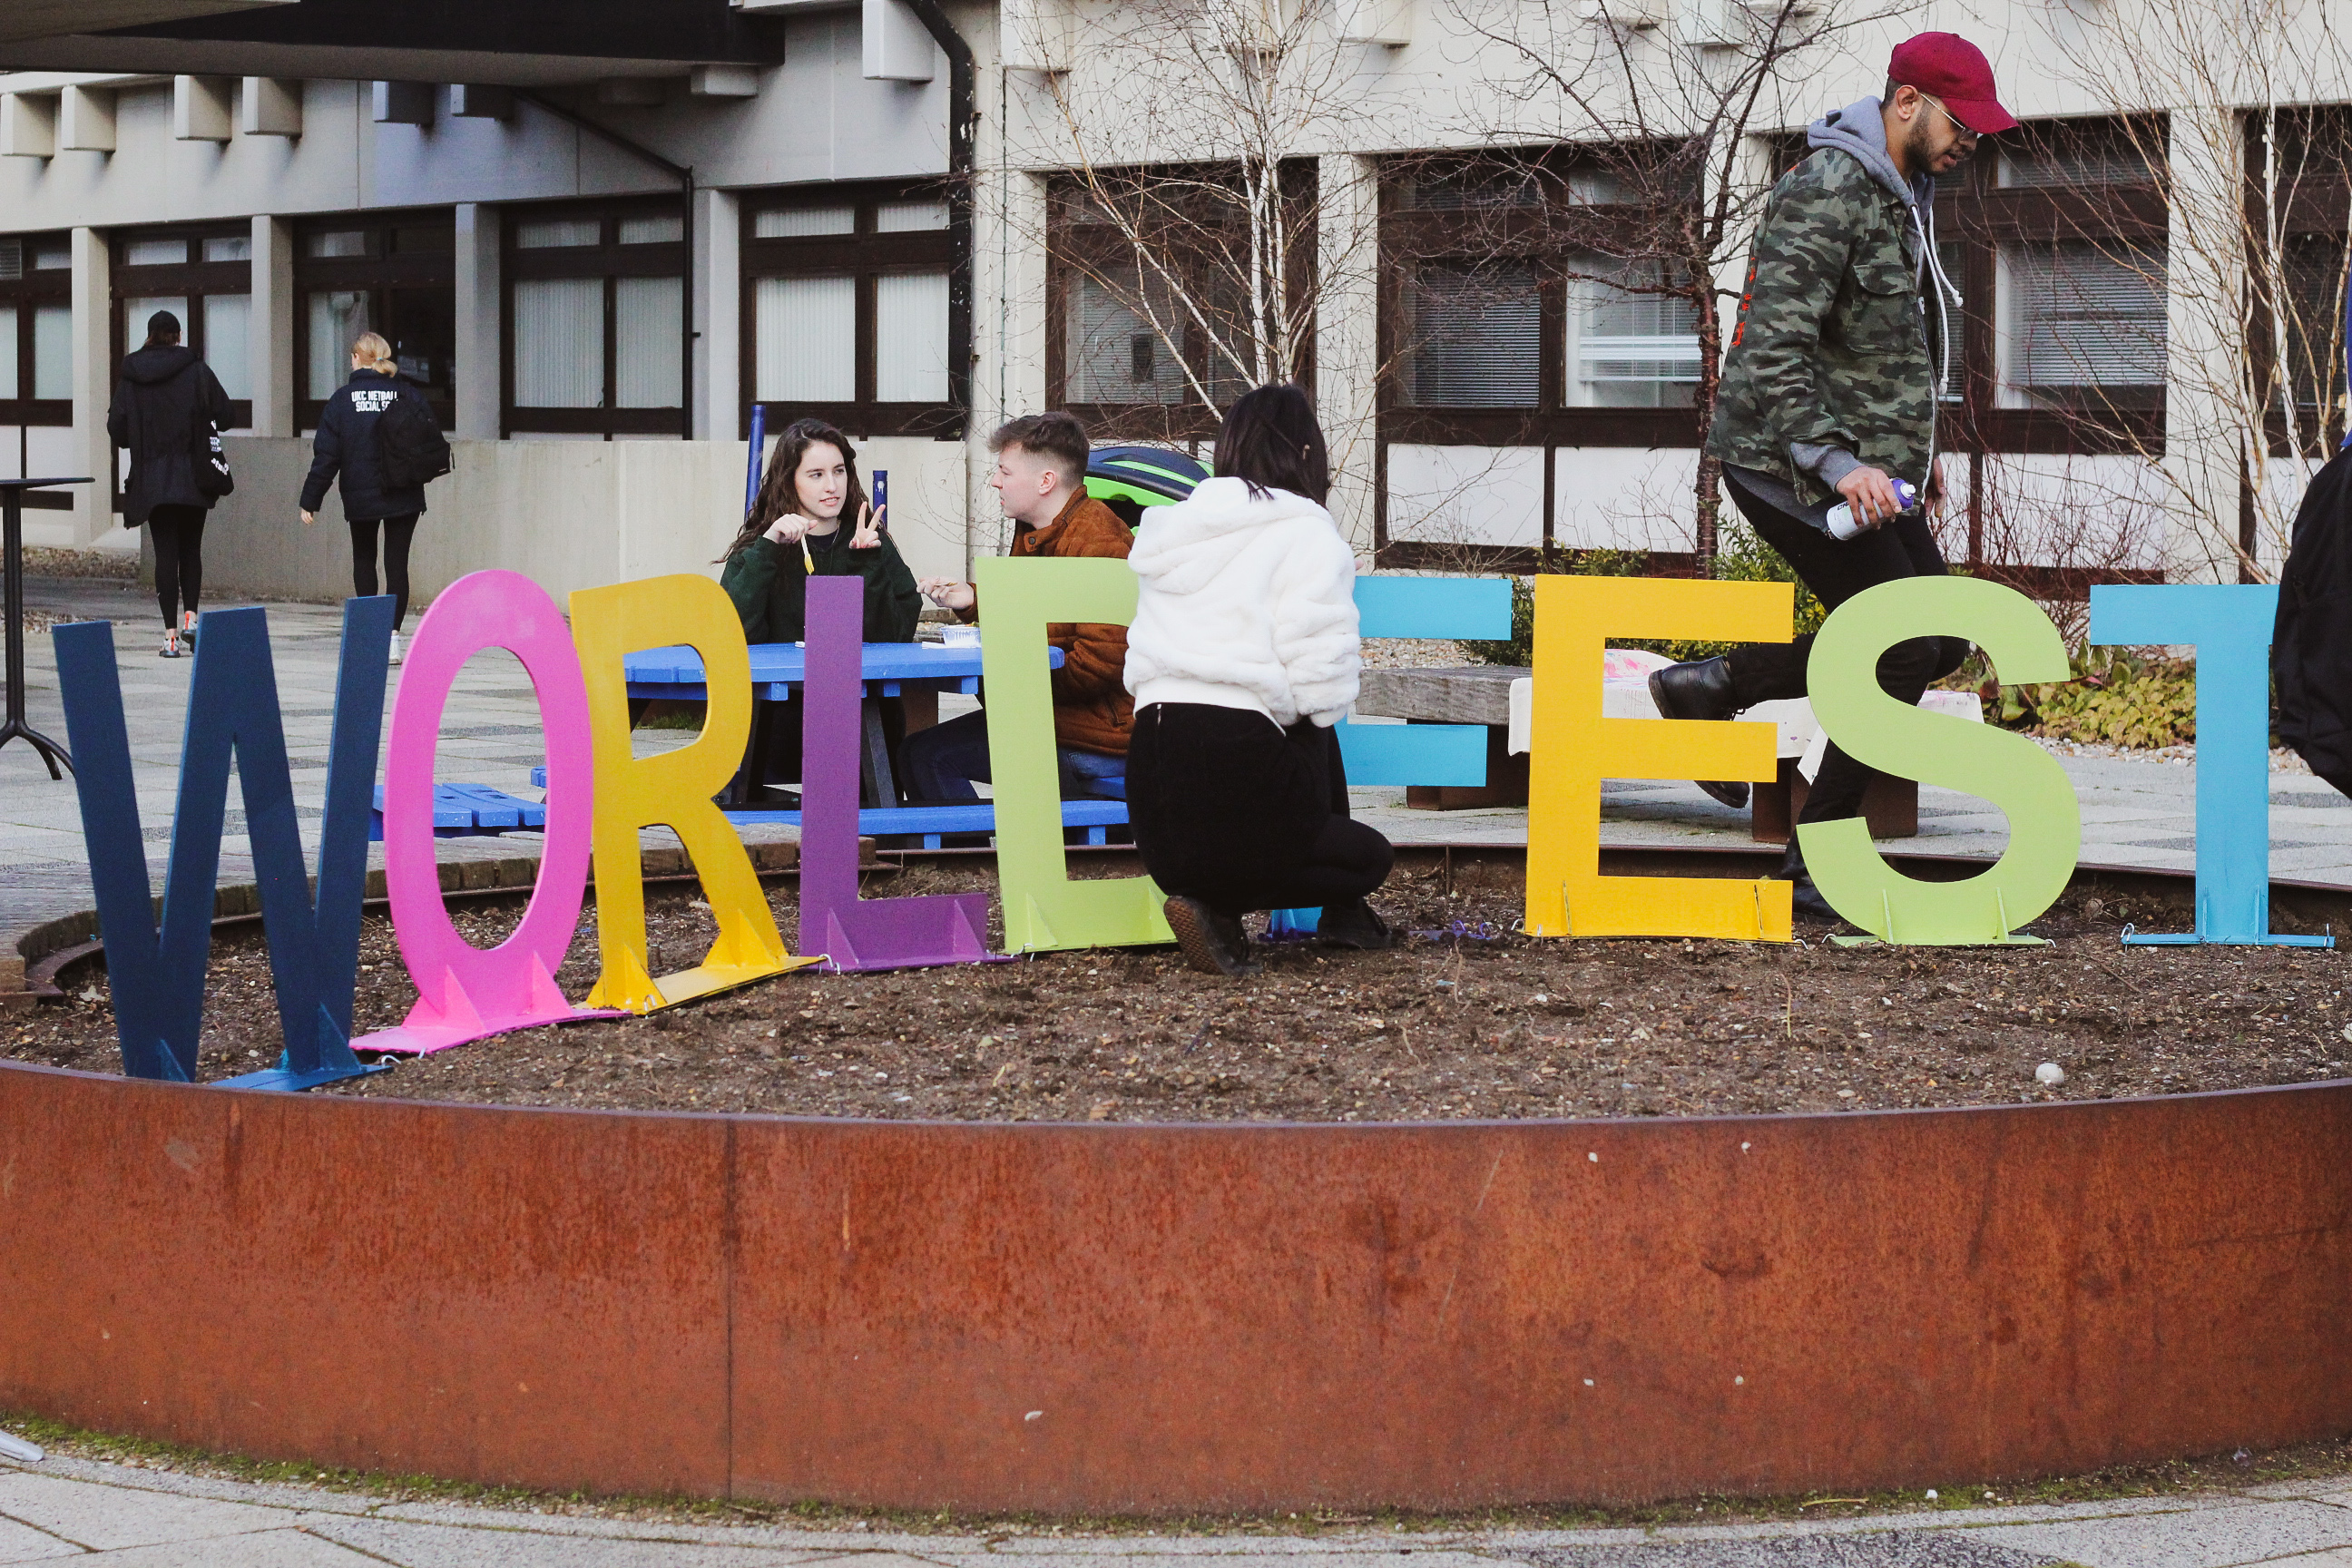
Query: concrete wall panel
{"points": [[567, 515]]}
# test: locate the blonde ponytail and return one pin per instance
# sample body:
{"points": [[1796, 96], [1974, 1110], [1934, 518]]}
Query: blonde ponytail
{"points": [[370, 347]]}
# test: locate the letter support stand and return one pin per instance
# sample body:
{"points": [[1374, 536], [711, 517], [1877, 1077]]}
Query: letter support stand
{"points": [[12, 536], [2230, 625]]}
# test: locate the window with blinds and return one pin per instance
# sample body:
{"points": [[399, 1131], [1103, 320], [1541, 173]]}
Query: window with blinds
{"points": [[393, 274], [53, 354], [1475, 335], [2061, 159], [1628, 347], [645, 327], [910, 338], [595, 327], [1112, 351], [204, 275], [11, 371], [2316, 267], [336, 318], [806, 340], [846, 302], [2082, 323], [559, 342]]}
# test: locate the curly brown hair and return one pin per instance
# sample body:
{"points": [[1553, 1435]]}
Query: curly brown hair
{"points": [[778, 495]]}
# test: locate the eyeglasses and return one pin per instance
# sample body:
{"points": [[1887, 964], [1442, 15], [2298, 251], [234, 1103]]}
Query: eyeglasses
{"points": [[1948, 114]]}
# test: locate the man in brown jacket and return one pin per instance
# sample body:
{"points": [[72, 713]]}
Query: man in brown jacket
{"points": [[1041, 468]]}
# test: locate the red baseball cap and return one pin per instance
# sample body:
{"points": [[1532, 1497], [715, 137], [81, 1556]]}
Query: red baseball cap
{"points": [[1955, 72]]}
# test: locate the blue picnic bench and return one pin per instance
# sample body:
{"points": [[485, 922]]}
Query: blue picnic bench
{"points": [[467, 810], [930, 823]]}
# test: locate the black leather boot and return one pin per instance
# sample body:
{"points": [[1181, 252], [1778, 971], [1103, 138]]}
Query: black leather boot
{"points": [[1355, 924], [1701, 689], [1805, 900], [1211, 944]]}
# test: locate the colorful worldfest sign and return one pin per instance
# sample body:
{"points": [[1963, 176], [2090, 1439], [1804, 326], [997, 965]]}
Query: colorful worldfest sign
{"points": [[158, 978], [845, 931], [2045, 820], [2231, 627], [463, 993], [1575, 747], [600, 794]]}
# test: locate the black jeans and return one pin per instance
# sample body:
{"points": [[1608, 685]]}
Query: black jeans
{"points": [[1836, 570], [179, 535], [1231, 809], [398, 532]]}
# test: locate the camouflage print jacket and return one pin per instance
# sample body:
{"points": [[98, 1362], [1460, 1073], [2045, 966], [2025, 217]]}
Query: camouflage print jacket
{"points": [[1830, 367]]}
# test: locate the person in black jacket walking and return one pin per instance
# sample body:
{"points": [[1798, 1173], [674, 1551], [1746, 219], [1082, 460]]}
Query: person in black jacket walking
{"points": [[346, 441], [167, 401]]}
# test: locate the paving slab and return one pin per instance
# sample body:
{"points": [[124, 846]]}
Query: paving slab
{"points": [[272, 1549], [459, 1546], [102, 1518], [23, 1543], [2199, 1538], [1892, 1548]]}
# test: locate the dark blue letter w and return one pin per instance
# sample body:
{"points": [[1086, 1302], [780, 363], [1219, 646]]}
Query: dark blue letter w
{"points": [[158, 978]]}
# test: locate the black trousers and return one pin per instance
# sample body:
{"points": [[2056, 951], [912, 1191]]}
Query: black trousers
{"points": [[398, 532], [1231, 809], [179, 535], [1836, 570]]}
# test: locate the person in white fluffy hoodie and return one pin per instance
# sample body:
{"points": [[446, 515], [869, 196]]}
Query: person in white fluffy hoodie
{"points": [[1242, 654]]}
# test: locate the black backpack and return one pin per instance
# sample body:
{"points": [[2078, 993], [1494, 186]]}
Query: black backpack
{"points": [[412, 451]]}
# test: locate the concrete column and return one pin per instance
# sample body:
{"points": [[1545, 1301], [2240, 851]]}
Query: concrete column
{"points": [[719, 396], [480, 305], [93, 386], [1346, 335], [2203, 419], [272, 343], [1008, 332]]}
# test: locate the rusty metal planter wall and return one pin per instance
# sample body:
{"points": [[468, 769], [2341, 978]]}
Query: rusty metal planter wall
{"points": [[1157, 1318]]}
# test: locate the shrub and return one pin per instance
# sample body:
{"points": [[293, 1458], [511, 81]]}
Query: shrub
{"points": [[2121, 696]]}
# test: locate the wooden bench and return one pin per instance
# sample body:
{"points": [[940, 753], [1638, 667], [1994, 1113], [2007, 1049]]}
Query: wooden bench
{"points": [[1475, 694]]}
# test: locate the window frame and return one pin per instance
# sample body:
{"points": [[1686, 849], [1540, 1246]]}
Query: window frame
{"points": [[380, 270], [27, 292], [610, 261], [193, 280], [1074, 248], [1546, 234], [2315, 209], [865, 255], [1978, 215]]}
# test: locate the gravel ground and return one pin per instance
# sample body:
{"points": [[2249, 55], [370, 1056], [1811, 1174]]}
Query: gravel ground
{"points": [[1468, 1020]]}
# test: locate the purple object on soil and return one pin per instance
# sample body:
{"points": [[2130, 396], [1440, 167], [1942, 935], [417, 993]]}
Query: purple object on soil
{"points": [[849, 932]]}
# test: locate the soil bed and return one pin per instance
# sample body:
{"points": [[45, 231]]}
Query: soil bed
{"points": [[1469, 1020]]}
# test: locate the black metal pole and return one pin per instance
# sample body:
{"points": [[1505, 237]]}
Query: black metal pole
{"points": [[12, 606]]}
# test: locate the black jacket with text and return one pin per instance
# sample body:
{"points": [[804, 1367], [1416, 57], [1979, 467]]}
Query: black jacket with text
{"points": [[346, 443]]}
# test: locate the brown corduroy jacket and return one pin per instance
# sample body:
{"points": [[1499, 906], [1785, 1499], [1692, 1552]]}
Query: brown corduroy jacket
{"points": [[1092, 711]]}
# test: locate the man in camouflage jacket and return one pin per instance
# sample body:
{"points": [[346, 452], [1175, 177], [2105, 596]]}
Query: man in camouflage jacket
{"points": [[1829, 390]]}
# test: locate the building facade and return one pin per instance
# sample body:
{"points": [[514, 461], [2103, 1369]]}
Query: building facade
{"points": [[597, 236]]}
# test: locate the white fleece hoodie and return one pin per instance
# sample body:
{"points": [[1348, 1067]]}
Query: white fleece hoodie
{"points": [[1245, 602]]}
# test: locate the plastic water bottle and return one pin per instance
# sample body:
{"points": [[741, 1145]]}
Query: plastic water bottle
{"points": [[1841, 521]]}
